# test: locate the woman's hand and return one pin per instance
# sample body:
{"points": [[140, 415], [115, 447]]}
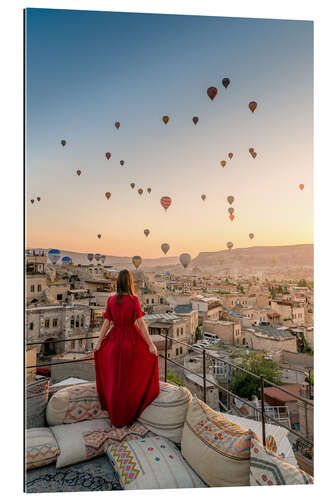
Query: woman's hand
{"points": [[153, 349], [97, 346]]}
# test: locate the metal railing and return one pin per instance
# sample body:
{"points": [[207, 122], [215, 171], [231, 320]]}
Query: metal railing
{"points": [[261, 410]]}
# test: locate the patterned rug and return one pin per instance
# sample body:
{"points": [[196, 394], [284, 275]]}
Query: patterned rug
{"points": [[94, 475]]}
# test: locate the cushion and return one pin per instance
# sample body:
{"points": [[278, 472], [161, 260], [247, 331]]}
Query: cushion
{"points": [[268, 469], [37, 395], [84, 440], [74, 404], [166, 414], [151, 463], [41, 448], [215, 447]]}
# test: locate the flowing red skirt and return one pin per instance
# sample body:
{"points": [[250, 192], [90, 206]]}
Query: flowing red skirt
{"points": [[127, 378]]}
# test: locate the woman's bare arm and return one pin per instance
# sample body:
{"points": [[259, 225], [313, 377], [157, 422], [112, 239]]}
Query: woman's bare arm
{"points": [[144, 330], [105, 328]]}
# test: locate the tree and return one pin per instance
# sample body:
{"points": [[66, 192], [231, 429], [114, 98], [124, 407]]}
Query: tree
{"points": [[194, 283], [172, 377], [245, 385], [197, 333]]}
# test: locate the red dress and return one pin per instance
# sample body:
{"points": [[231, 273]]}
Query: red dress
{"points": [[127, 378]]}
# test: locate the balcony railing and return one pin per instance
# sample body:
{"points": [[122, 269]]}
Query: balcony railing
{"points": [[261, 410]]}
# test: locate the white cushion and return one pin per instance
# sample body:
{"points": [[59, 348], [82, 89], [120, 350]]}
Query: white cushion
{"points": [[151, 463], [74, 404], [166, 414], [41, 448]]}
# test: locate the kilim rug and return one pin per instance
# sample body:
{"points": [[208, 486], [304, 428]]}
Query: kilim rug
{"points": [[96, 474]]}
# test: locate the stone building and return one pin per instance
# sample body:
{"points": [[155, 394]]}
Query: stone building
{"points": [[228, 331], [269, 339]]}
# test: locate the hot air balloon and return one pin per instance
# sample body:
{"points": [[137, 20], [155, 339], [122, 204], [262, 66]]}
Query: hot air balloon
{"points": [[122, 162], [230, 199], [251, 236], [165, 202], [301, 186], [165, 119], [230, 155], [252, 153], [231, 217], [136, 261], [38, 198], [231, 210], [103, 257], [54, 255], [195, 120], [230, 245], [108, 195], [97, 256], [252, 106], [108, 156], [132, 185], [99, 236], [165, 248], [117, 125], [212, 92], [63, 142], [223, 163], [203, 197], [90, 257], [32, 201], [273, 260], [225, 82], [149, 190], [185, 259], [66, 260], [146, 232], [140, 191], [78, 172]]}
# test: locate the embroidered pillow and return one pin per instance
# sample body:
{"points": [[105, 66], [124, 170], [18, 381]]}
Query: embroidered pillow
{"points": [[151, 463], [215, 447], [268, 469], [40, 448], [37, 395], [165, 416]]}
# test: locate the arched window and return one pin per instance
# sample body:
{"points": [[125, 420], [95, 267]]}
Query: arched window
{"points": [[72, 322], [82, 320], [77, 322]]}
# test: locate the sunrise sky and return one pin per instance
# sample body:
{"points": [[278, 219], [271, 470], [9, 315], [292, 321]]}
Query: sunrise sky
{"points": [[87, 70]]}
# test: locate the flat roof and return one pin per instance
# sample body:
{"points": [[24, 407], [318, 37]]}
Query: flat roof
{"points": [[166, 316], [283, 396]]}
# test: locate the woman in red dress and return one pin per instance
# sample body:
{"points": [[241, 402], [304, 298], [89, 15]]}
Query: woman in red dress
{"points": [[126, 360]]}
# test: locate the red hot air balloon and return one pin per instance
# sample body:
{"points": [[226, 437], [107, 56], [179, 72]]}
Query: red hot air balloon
{"points": [[165, 119], [108, 195], [78, 172], [231, 217], [149, 190], [251, 236], [195, 120], [146, 232], [203, 197], [212, 92], [165, 202], [117, 125], [63, 142], [252, 106], [301, 186], [225, 82], [108, 156], [140, 191], [230, 155], [132, 185], [122, 162]]}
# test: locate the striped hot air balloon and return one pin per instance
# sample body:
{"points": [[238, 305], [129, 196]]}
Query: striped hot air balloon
{"points": [[165, 202]]}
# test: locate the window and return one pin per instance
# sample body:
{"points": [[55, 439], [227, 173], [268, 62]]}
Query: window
{"points": [[55, 323], [77, 323], [72, 322], [47, 323], [177, 332], [177, 351], [32, 288], [59, 296], [39, 288], [180, 350], [82, 320], [181, 331], [152, 301], [161, 300], [147, 301], [31, 326]]}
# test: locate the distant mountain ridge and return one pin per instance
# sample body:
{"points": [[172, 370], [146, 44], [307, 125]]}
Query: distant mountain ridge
{"points": [[257, 256]]}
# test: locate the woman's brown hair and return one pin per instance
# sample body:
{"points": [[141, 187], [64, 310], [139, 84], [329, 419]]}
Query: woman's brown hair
{"points": [[125, 284]]}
